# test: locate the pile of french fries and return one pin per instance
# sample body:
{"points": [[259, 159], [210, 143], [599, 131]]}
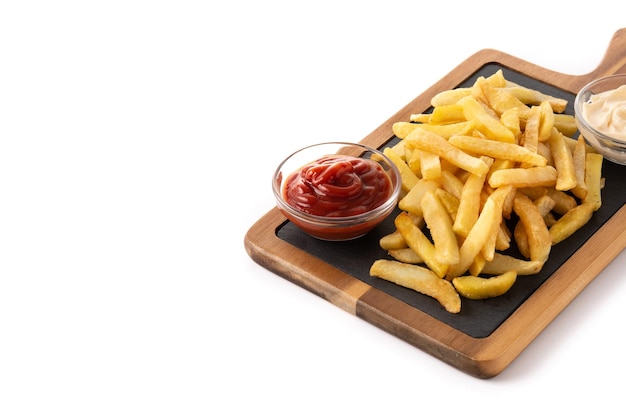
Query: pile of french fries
{"points": [[493, 165]]}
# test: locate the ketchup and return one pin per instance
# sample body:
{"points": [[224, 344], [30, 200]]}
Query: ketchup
{"points": [[338, 186]]}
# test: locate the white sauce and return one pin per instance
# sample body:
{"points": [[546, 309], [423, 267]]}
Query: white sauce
{"points": [[606, 112]]}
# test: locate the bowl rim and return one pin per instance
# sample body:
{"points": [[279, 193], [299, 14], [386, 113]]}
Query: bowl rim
{"points": [[580, 118], [326, 221]]}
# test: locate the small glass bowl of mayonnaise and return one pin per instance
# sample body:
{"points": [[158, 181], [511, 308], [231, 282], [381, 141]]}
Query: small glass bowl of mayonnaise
{"points": [[600, 111]]}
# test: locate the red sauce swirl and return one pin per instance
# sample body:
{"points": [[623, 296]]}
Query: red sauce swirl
{"points": [[338, 186]]}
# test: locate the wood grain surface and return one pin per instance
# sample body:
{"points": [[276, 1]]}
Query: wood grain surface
{"points": [[482, 357]]}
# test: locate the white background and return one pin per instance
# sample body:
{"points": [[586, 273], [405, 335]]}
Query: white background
{"points": [[138, 139]]}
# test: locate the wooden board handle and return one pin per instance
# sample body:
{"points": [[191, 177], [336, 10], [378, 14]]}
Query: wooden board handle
{"points": [[614, 60]]}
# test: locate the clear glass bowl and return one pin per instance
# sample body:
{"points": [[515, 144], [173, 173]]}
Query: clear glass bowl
{"points": [[335, 228], [612, 148]]}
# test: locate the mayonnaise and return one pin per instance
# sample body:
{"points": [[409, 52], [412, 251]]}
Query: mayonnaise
{"points": [[606, 112]]}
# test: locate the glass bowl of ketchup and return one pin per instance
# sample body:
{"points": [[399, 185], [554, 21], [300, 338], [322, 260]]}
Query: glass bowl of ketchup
{"points": [[336, 190]]}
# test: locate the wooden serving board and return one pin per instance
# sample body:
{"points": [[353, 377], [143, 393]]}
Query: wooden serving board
{"points": [[487, 335]]}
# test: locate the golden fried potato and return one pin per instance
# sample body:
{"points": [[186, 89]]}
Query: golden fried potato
{"points": [[420, 279], [563, 161], [546, 121], [579, 158], [570, 222], [497, 150], [477, 288], [469, 203], [593, 180], [439, 223], [502, 263], [534, 97], [539, 239], [524, 177]]}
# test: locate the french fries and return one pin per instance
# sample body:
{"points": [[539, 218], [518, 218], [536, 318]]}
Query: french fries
{"points": [[478, 288], [493, 165], [439, 223], [539, 239], [420, 279], [570, 222]]}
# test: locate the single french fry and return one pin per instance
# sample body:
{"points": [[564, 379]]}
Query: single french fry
{"points": [[478, 288], [502, 263], [419, 279], [544, 204], [593, 180], [497, 150], [403, 129], [579, 158], [570, 222], [440, 225], [539, 239], [530, 96], [524, 177], [563, 161], [546, 120], [430, 165], [469, 203]]}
